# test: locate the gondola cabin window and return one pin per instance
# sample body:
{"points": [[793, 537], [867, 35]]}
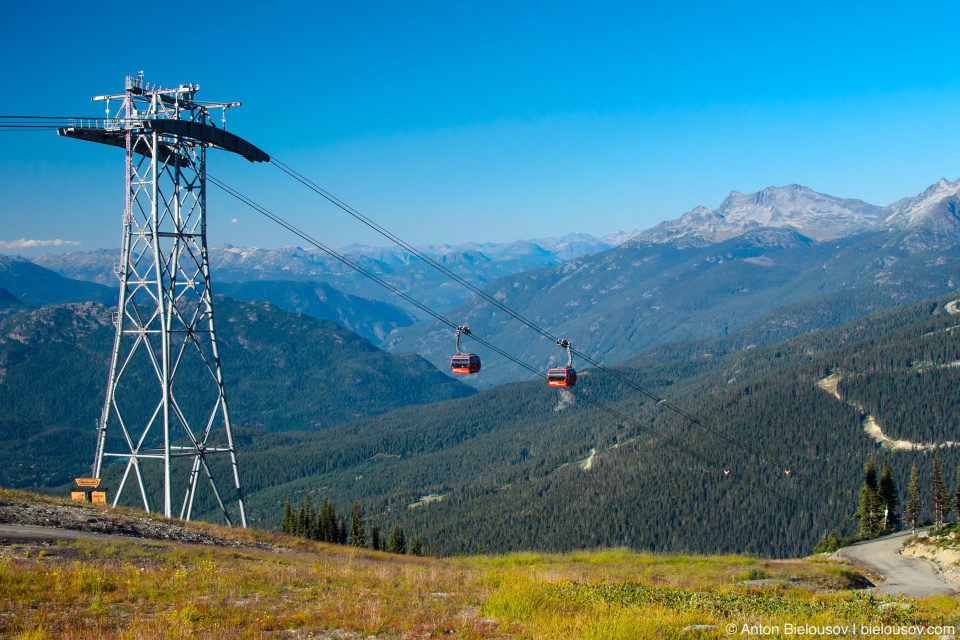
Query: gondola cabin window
{"points": [[562, 377]]}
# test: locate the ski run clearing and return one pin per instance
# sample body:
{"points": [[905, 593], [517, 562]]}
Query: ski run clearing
{"points": [[871, 426]]}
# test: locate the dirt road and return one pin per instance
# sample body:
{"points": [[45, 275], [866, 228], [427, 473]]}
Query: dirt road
{"points": [[30, 533], [902, 575], [22, 520]]}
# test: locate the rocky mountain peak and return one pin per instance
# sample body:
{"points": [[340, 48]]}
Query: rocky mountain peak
{"points": [[812, 214], [918, 210]]}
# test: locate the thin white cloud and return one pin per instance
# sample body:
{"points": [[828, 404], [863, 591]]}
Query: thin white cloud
{"points": [[234, 220], [23, 243]]}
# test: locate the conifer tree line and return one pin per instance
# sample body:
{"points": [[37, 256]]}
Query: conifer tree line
{"points": [[324, 526], [879, 500], [941, 500], [878, 513]]}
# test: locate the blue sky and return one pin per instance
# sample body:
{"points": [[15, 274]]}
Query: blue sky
{"points": [[452, 122]]}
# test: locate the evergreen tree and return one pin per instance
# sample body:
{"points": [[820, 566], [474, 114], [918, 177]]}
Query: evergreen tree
{"points": [[374, 535], [342, 532], [301, 521], [357, 536], [393, 540], [937, 492], [914, 504], [480, 544], [945, 501], [436, 549], [415, 549], [870, 513], [889, 500], [288, 516], [323, 521], [327, 522], [308, 520], [317, 533], [956, 496], [833, 541], [333, 533], [828, 544], [397, 542]]}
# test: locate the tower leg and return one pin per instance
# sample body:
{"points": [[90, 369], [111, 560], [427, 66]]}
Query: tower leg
{"points": [[165, 352]]}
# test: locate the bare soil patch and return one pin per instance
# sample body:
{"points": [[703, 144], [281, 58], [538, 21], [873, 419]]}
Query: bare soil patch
{"points": [[107, 521]]}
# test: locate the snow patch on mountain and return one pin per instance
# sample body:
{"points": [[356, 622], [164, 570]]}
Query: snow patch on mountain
{"points": [[814, 215], [297, 263], [911, 212]]}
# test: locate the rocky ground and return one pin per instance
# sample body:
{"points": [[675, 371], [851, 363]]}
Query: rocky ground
{"points": [[943, 551], [106, 521]]}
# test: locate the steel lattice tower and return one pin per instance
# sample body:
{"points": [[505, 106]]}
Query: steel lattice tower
{"points": [[165, 395]]}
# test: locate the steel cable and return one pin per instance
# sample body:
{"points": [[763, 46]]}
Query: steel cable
{"points": [[440, 318], [545, 333]]}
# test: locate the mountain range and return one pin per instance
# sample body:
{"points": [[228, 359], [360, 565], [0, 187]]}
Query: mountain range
{"points": [[815, 215], [284, 372], [476, 262], [710, 272], [642, 477], [701, 275], [716, 311], [370, 319]]}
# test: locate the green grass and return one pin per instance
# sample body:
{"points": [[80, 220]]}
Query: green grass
{"points": [[117, 589], [89, 589], [622, 594]]}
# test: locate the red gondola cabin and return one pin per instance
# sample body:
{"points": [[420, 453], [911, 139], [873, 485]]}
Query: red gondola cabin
{"points": [[465, 363], [562, 377]]}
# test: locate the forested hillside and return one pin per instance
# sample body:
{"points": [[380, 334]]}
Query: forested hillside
{"points": [[525, 466], [369, 319], [37, 285], [615, 304], [283, 372], [32, 284], [509, 462]]}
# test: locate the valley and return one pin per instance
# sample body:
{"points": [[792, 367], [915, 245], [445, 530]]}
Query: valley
{"points": [[749, 328], [496, 321], [479, 263]]}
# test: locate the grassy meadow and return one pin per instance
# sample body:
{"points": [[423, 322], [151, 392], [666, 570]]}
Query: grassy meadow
{"points": [[291, 588]]}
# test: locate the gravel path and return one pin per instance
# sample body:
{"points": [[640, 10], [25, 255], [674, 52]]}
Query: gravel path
{"points": [[28, 533], [41, 521], [902, 575]]}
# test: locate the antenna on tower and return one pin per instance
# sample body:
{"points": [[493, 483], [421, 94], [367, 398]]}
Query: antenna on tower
{"points": [[165, 399]]}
